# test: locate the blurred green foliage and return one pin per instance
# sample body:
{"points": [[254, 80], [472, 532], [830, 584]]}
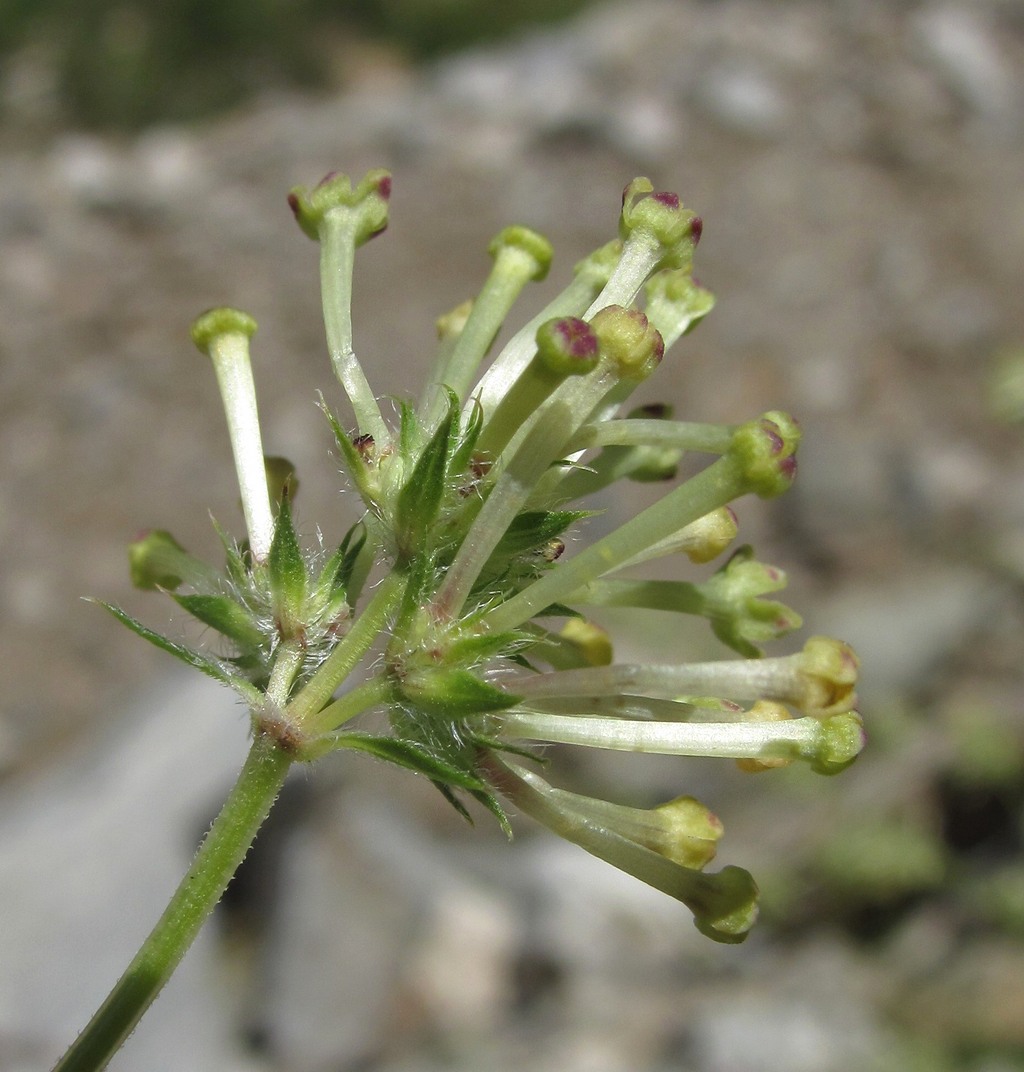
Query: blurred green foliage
{"points": [[126, 63]]}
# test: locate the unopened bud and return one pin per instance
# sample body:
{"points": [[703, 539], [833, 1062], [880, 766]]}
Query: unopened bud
{"points": [[369, 200], [628, 340], [766, 450]]}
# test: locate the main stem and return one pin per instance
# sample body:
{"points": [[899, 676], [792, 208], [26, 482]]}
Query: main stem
{"points": [[218, 858]]}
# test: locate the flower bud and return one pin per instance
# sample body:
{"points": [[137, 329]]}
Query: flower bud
{"points": [[567, 346], [677, 303], [706, 538], [661, 217], [629, 341], [224, 335], [590, 640], [738, 614], [217, 323], [828, 676], [842, 740], [157, 560], [528, 247], [368, 201], [766, 451]]}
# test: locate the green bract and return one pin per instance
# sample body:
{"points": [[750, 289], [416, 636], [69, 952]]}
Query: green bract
{"points": [[453, 606]]}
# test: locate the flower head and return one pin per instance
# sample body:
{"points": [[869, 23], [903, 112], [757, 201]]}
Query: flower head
{"points": [[454, 604]]}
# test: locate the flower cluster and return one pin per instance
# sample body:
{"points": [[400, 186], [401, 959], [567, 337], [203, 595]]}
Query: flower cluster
{"points": [[453, 606]]}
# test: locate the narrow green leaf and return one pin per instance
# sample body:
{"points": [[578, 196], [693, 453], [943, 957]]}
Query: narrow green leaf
{"points": [[411, 755], [235, 566], [332, 584], [462, 455], [454, 693], [225, 615], [419, 501], [286, 570], [534, 529], [477, 648], [452, 799], [356, 466], [491, 803], [408, 430], [206, 663]]}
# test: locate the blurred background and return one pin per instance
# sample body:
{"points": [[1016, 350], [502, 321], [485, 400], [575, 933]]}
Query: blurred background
{"points": [[858, 166]]}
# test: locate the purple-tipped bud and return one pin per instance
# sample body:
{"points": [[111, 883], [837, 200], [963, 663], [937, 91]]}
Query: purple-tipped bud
{"points": [[369, 200], [766, 449], [629, 341], [567, 346], [663, 218]]}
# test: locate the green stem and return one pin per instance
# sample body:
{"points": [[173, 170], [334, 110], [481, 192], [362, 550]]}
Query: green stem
{"points": [[712, 487], [356, 642], [337, 255], [218, 858]]}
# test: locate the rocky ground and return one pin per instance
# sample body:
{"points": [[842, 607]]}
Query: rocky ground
{"points": [[858, 166]]}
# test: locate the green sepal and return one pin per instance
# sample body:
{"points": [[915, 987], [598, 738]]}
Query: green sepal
{"points": [[533, 529], [412, 756], [419, 501], [236, 567], [453, 694], [409, 429], [479, 647], [558, 610], [332, 584], [359, 472], [226, 616], [286, 571], [207, 664], [449, 795], [462, 455], [492, 804]]}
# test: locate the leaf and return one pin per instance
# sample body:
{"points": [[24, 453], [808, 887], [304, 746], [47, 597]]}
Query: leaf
{"points": [[207, 664], [419, 501], [462, 454], [491, 803], [453, 693], [412, 756], [534, 529], [355, 463], [235, 566], [225, 615], [452, 799], [286, 571], [332, 584], [480, 647]]}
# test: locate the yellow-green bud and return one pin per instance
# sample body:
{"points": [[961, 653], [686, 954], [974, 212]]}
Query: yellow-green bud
{"points": [[628, 340]]}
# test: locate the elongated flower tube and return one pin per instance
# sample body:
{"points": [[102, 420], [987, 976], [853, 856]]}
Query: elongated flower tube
{"points": [[665, 847], [451, 611]]}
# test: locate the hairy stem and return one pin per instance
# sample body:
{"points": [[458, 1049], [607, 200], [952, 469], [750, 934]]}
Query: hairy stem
{"points": [[218, 858]]}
